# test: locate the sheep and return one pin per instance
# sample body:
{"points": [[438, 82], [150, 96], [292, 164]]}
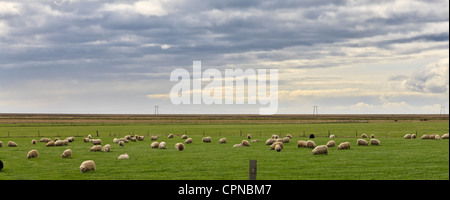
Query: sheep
{"points": [[96, 141], [332, 136], [275, 136], [374, 142], [88, 165], [32, 154], [270, 141], [424, 137], [170, 135], [237, 145], [407, 136], [133, 139], [249, 136], [428, 136], [437, 137], [67, 153], [275, 144], [115, 140], [121, 143], [188, 141], [278, 148], [50, 144], [123, 157], [70, 139], [140, 137], [179, 146], [184, 136], [245, 143], [223, 140], [155, 145], [310, 144], [12, 144], [445, 136], [162, 145], [361, 142], [127, 137], [413, 136], [33, 141], [286, 140], [89, 136], [125, 140], [254, 141], [56, 139], [154, 137], [372, 135], [107, 148], [322, 149], [279, 140], [96, 148], [59, 143], [289, 136], [86, 140], [1, 143], [344, 145], [206, 139], [363, 135], [331, 143], [301, 143], [45, 140]]}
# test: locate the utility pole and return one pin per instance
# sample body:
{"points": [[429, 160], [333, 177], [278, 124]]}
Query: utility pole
{"points": [[316, 110], [156, 110]]}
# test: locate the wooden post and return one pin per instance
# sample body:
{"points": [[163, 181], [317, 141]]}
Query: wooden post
{"points": [[252, 170], [97, 133]]}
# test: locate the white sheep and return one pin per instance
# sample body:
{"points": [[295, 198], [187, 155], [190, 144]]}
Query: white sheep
{"points": [[170, 135], [245, 143], [374, 142], [179, 146], [249, 136], [331, 143], [310, 144], [270, 141], [1, 143], [107, 148], [362, 142], [344, 145], [96, 141], [121, 143], [96, 148], [45, 140], [154, 137], [254, 141], [123, 157], [407, 136], [332, 136], [184, 136], [88, 165], [278, 148], [140, 137], [363, 135], [206, 139], [275, 144], [50, 144], [321, 149], [162, 145], [286, 140], [445, 136], [67, 153], [33, 141], [155, 145], [289, 136], [12, 144], [59, 143], [32, 154], [301, 143], [188, 141], [437, 137], [223, 140], [372, 135]]}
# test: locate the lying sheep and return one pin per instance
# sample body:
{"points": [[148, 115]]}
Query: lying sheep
{"points": [[96, 141], [437, 137], [89, 136], [45, 140], [96, 148], [331, 143], [162, 145], [310, 144], [107, 148], [50, 144], [244, 143], [428, 136], [223, 140], [67, 153], [59, 143], [275, 144], [127, 137], [249, 136], [125, 140], [86, 140], [140, 137], [32, 154], [155, 145], [344, 145], [445, 136], [123, 157], [179, 146], [206, 139], [374, 142], [363, 135], [184, 136], [275, 136], [332, 136], [321, 149], [301, 143], [133, 139], [278, 148], [121, 143], [12, 144], [188, 141], [115, 140], [155, 137], [88, 165], [254, 141], [407, 136], [286, 140], [289, 136], [270, 141], [1, 143], [413, 136], [70, 139], [362, 142], [170, 135]]}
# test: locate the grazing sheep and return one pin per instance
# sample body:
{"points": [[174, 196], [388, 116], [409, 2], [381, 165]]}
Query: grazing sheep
{"points": [[374, 142], [372, 135], [275, 136], [322, 149], [331, 143], [50, 144], [445, 136], [170, 135], [289, 136], [140, 137], [96, 141], [96, 148], [206, 139], [33, 141], [107, 148], [301, 143], [310, 144], [115, 140], [155, 145], [32, 154], [59, 143], [413, 136], [121, 143], [125, 140], [344, 145], [362, 142], [70, 139], [270, 141], [67, 153], [162, 145], [245, 143], [407, 136], [363, 135], [278, 148], [87, 165], [249, 136], [155, 137], [45, 140], [12, 144], [89, 136], [332, 136], [123, 157], [86, 140], [133, 139], [127, 137], [188, 141], [254, 141], [311, 136], [184, 136], [1, 143], [286, 140], [223, 140], [179, 146], [275, 144]]}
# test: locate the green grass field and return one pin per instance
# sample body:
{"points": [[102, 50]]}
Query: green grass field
{"points": [[396, 158]]}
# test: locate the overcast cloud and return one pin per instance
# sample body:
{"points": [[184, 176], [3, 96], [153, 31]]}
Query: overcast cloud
{"points": [[73, 56]]}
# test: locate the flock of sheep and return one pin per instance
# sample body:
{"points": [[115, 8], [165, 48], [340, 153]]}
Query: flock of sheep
{"points": [[275, 142]]}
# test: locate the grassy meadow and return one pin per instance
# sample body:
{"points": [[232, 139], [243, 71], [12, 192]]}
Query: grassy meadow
{"points": [[395, 159]]}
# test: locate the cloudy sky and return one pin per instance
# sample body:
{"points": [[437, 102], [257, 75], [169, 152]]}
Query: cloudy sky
{"points": [[88, 56]]}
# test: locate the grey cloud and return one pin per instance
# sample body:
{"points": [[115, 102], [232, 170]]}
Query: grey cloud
{"points": [[433, 79]]}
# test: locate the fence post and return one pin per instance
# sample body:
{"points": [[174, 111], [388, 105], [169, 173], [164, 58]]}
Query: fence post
{"points": [[252, 170]]}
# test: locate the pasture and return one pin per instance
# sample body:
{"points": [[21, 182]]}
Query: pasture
{"points": [[395, 159]]}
